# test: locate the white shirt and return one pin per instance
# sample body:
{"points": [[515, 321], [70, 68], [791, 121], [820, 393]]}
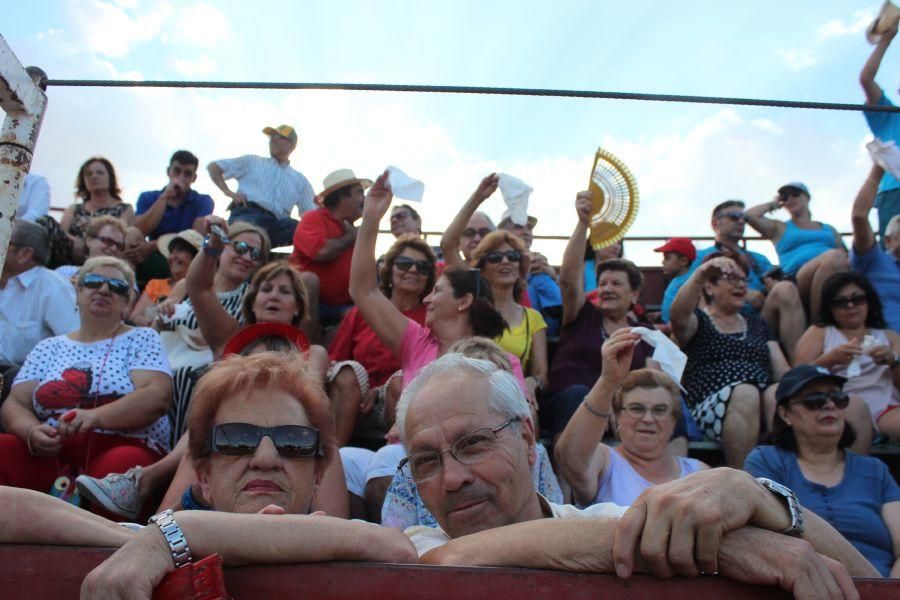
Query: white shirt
{"points": [[275, 186], [34, 200], [429, 538], [34, 305]]}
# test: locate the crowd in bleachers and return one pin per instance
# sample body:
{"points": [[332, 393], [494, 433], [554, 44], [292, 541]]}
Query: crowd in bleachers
{"points": [[123, 326]]}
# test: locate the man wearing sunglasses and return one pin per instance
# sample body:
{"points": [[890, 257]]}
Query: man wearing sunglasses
{"points": [[469, 226], [35, 302], [471, 443]]}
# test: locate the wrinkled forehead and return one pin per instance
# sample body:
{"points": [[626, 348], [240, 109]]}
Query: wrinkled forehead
{"points": [[479, 221], [446, 407], [262, 407]]}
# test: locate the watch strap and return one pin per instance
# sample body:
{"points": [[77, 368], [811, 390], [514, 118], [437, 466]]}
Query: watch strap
{"points": [[174, 536], [793, 505], [209, 249]]}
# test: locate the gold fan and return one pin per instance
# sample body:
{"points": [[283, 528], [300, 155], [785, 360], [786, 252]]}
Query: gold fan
{"points": [[615, 199]]}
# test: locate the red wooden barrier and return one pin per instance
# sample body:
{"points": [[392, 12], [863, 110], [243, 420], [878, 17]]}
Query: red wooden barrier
{"points": [[28, 572]]}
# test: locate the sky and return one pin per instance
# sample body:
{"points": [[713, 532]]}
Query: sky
{"points": [[686, 157]]}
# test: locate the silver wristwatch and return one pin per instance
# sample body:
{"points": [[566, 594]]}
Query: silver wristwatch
{"points": [[174, 536], [793, 505]]}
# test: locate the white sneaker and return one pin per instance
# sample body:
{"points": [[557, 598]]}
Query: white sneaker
{"points": [[117, 492]]}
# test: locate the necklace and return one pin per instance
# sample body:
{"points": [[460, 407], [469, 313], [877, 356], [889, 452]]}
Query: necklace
{"points": [[741, 320]]}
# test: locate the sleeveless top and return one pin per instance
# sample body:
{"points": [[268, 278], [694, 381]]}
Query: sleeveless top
{"points": [[874, 384], [517, 340], [231, 301], [798, 246], [621, 484], [82, 218]]}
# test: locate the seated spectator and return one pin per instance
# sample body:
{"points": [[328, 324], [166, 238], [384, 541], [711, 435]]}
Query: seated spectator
{"points": [[778, 303], [809, 251], [362, 364], [179, 249], [855, 494], [94, 399], [578, 361], [170, 210], [268, 188], [469, 226], [647, 404], [592, 258], [886, 127], [852, 330], [105, 236], [35, 302], [34, 199], [503, 260], [733, 360], [405, 221], [99, 191], [881, 267], [323, 247], [678, 254], [471, 461], [543, 289]]}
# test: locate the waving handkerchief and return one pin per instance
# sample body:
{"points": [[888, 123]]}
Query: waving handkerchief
{"points": [[886, 154], [403, 186], [515, 195], [669, 356]]}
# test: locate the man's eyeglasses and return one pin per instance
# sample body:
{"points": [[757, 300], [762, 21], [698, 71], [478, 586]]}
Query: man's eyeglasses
{"points": [[846, 301], [471, 232], [496, 256], [734, 215], [637, 411], [817, 400], [791, 193], [734, 279], [94, 281], [468, 450], [242, 439], [405, 263], [242, 248], [108, 241]]}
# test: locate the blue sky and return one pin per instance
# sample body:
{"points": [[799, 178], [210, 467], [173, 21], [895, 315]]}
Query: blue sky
{"points": [[686, 157]]}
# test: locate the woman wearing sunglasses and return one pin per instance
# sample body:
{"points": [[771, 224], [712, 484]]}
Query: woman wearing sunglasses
{"points": [[809, 251], [856, 494], [94, 400], [105, 236], [853, 340], [504, 262]]}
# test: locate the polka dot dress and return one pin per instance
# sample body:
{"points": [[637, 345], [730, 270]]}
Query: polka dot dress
{"points": [[718, 362]]}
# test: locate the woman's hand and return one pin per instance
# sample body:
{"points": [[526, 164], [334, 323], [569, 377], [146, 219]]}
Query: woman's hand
{"points": [[215, 242], [44, 440], [487, 187], [882, 355], [368, 403], [378, 198], [617, 352], [79, 420], [584, 205], [843, 354], [715, 267]]}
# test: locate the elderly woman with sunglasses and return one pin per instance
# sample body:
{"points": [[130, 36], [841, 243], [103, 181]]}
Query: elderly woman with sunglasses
{"points": [[733, 360], [93, 400], [853, 340], [856, 494]]}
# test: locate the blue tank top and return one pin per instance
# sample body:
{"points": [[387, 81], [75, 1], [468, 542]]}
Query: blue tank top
{"points": [[798, 246]]}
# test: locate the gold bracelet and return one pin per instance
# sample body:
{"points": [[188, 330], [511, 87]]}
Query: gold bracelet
{"points": [[595, 412]]}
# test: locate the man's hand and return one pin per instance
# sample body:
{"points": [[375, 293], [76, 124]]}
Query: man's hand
{"points": [[540, 264], [138, 253], [239, 199], [79, 420], [133, 571], [584, 204], [45, 440], [762, 557], [678, 525], [487, 187], [173, 191]]}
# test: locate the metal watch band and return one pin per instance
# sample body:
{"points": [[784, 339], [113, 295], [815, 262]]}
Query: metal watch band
{"points": [[793, 505], [174, 536], [209, 249]]}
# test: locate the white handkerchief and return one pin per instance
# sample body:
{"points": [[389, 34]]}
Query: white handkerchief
{"points": [[181, 312], [669, 356], [403, 186], [886, 154], [515, 195]]}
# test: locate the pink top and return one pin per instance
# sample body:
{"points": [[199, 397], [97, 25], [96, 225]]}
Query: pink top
{"points": [[419, 348]]}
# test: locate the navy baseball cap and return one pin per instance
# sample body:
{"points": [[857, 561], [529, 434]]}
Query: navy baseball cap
{"points": [[795, 185], [794, 380]]}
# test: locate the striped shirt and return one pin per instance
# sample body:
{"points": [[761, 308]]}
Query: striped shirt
{"points": [[274, 186], [34, 305]]}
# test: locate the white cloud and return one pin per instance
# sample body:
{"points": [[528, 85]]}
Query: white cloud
{"points": [[204, 65], [839, 28], [111, 29], [767, 125], [798, 59], [201, 24]]}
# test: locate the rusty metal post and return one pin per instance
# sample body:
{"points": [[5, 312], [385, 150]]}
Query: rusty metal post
{"points": [[24, 103]]}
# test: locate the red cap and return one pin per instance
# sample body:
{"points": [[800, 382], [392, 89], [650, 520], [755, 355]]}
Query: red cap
{"points": [[251, 333], [682, 246]]}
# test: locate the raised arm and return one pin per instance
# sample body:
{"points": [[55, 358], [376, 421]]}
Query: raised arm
{"points": [[571, 272], [768, 228], [863, 236], [870, 69], [451, 237], [380, 313]]}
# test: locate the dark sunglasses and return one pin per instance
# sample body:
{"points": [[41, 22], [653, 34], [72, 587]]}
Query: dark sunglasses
{"points": [[93, 281], [405, 263], [108, 241], [817, 400], [496, 256], [470, 232], [792, 193], [242, 439], [242, 248], [399, 216], [846, 301], [734, 215]]}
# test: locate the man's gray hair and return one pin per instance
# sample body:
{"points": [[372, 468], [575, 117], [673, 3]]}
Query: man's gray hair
{"points": [[26, 234], [485, 216], [893, 227], [505, 398]]}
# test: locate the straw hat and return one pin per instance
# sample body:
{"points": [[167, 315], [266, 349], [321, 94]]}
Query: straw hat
{"points": [[887, 18], [338, 179], [190, 236]]}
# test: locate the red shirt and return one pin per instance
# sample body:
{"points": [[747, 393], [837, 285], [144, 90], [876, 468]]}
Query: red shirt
{"points": [[316, 228], [355, 340]]}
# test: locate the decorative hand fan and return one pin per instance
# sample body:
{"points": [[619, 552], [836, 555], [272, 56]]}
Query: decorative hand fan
{"points": [[615, 199]]}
